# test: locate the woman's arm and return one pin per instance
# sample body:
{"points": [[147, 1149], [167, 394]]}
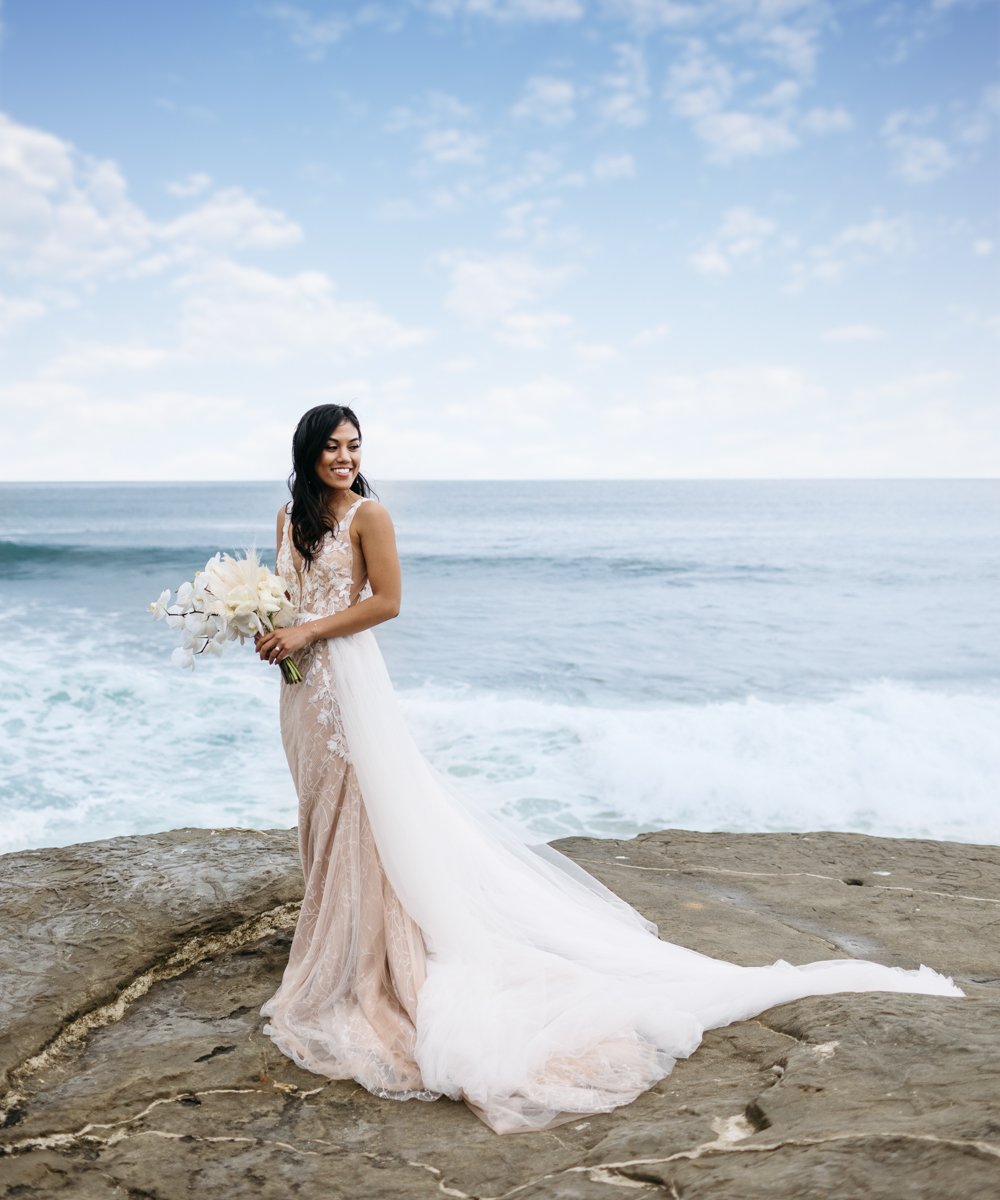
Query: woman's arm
{"points": [[378, 544]]}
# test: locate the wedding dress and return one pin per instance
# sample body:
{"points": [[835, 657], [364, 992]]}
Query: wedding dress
{"points": [[436, 954]]}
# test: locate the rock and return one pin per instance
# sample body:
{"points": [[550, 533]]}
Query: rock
{"points": [[132, 1062]]}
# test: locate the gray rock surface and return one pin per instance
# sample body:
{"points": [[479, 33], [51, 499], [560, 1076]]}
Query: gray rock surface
{"points": [[132, 1062]]}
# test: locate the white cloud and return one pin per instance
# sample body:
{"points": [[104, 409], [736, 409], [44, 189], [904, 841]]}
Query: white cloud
{"points": [[613, 166], [313, 35], [983, 247], [200, 113], [547, 100], [795, 47], [853, 245], [700, 87], [68, 217], [98, 358], [534, 405], [827, 120], [595, 353], [501, 293], [626, 88], [783, 95], [230, 218], [713, 93], [191, 185], [785, 32], [745, 391], [979, 125], [231, 311], [733, 135], [916, 157], [912, 384], [700, 83], [710, 260], [143, 432], [532, 330], [887, 235], [510, 10], [763, 420], [441, 120], [453, 146], [651, 335], [433, 110], [15, 311], [741, 235], [65, 214], [484, 287], [529, 220], [647, 15], [749, 420], [854, 333]]}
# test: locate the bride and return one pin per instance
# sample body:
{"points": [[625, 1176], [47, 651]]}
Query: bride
{"points": [[435, 953]]}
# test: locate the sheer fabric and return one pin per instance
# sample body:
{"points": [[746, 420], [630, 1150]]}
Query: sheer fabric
{"points": [[437, 954]]}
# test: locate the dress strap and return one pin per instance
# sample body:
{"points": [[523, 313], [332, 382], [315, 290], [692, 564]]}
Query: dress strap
{"points": [[348, 517]]}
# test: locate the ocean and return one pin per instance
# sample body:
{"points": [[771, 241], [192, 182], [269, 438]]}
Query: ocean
{"points": [[602, 660]]}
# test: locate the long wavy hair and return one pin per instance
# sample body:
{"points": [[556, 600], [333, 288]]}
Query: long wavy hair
{"points": [[311, 516]]}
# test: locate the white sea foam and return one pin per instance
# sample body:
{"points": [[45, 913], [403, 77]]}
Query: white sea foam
{"points": [[698, 654], [96, 746], [883, 758]]}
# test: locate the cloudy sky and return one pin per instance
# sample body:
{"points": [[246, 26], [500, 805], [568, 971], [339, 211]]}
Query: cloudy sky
{"points": [[523, 238]]}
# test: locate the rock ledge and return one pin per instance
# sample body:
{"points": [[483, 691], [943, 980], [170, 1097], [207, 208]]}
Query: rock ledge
{"points": [[132, 1062]]}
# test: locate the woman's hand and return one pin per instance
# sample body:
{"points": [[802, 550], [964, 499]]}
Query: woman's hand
{"points": [[281, 643]]}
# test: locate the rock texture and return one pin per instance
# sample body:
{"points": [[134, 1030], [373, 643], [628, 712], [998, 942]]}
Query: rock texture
{"points": [[132, 1062]]}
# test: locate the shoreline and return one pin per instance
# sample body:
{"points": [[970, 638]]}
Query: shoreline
{"points": [[133, 968]]}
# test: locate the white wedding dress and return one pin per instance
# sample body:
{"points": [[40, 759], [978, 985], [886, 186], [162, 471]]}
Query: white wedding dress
{"points": [[438, 955]]}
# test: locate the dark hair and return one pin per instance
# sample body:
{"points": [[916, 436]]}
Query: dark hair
{"points": [[311, 518]]}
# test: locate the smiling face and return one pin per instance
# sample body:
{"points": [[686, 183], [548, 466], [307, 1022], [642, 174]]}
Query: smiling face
{"points": [[340, 459]]}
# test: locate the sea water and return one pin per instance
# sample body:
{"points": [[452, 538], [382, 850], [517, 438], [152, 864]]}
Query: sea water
{"points": [[583, 658]]}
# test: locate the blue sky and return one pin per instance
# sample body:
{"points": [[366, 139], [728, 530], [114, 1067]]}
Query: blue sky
{"points": [[589, 239]]}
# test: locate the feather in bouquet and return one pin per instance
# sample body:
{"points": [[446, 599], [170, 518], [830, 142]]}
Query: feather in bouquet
{"points": [[231, 598]]}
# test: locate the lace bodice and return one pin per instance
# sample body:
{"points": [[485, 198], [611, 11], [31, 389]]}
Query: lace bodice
{"points": [[330, 584]]}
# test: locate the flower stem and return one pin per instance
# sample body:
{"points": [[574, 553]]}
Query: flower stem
{"points": [[290, 670]]}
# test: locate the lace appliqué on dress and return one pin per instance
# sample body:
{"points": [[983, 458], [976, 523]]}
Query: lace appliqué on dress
{"points": [[325, 588]]}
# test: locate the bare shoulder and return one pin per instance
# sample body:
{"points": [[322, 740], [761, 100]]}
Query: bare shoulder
{"points": [[373, 515]]}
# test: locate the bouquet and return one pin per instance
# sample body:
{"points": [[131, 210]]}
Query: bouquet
{"points": [[231, 598]]}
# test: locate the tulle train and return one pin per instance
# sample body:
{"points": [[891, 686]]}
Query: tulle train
{"points": [[545, 995]]}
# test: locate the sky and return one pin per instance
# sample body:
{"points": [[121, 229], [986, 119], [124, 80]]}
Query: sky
{"points": [[523, 239]]}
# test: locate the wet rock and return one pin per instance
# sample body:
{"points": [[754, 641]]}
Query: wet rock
{"points": [[132, 1062]]}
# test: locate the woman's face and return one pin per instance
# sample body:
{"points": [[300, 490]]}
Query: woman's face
{"points": [[340, 459]]}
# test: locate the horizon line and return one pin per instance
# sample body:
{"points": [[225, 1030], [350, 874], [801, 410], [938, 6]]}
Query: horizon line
{"points": [[536, 479]]}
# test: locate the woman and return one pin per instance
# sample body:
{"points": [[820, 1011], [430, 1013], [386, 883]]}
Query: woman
{"points": [[435, 953]]}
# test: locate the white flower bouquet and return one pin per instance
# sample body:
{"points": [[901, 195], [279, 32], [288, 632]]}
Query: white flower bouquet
{"points": [[231, 598]]}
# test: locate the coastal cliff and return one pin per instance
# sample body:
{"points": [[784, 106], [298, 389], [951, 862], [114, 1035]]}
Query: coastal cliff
{"points": [[132, 1062]]}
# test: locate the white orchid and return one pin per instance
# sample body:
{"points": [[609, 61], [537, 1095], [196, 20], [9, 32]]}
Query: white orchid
{"points": [[231, 598], [194, 622], [158, 607]]}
